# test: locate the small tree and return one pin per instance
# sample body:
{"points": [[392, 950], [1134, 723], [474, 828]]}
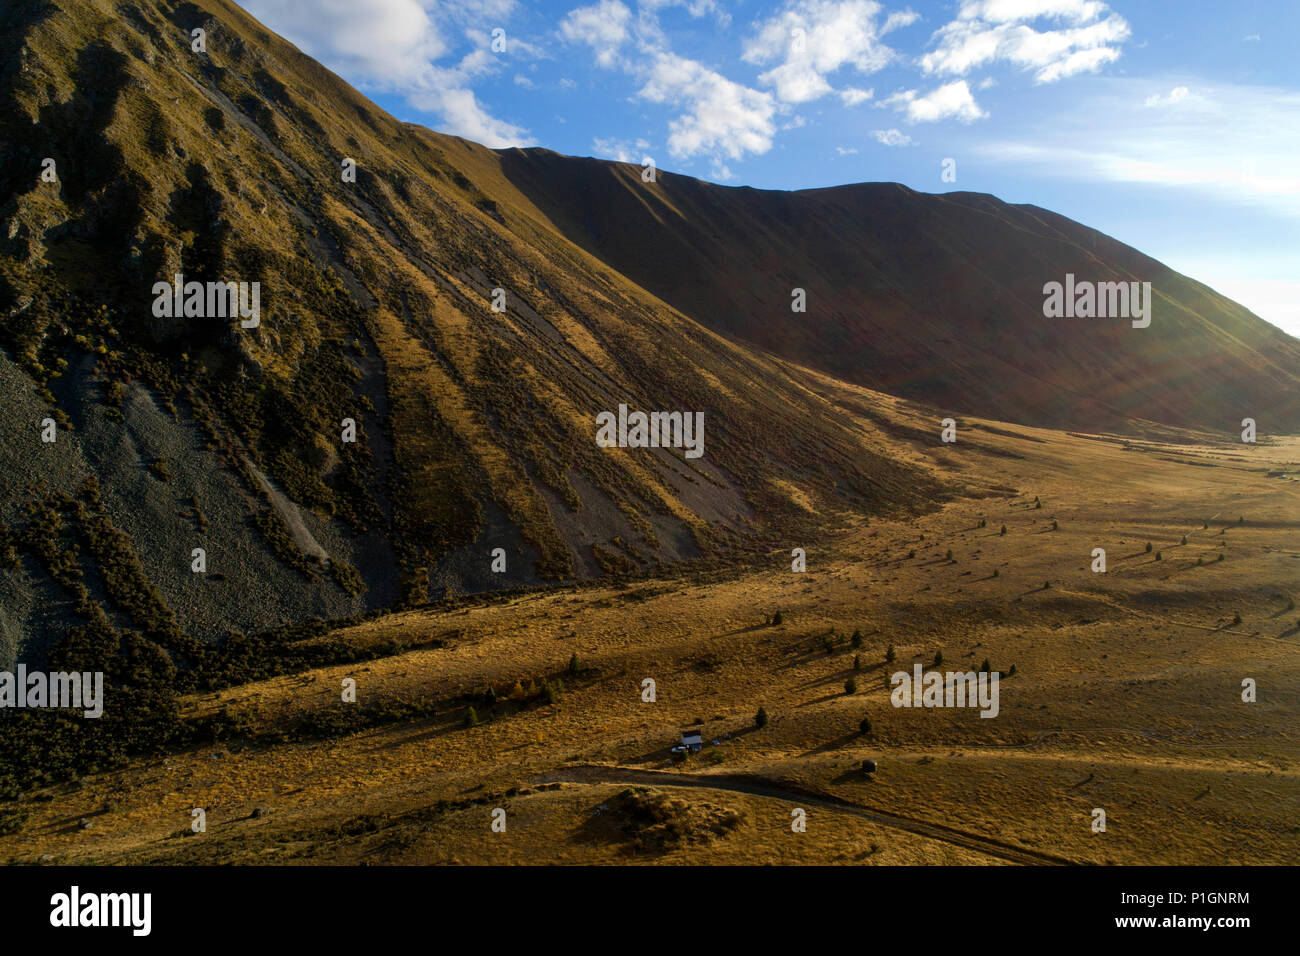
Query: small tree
{"points": [[1236, 619], [1003, 531], [1148, 547], [760, 719], [890, 654], [995, 572], [1159, 556], [864, 725], [857, 662], [856, 640], [938, 658], [986, 667], [1011, 671], [949, 554], [850, 686], [574, 664], [471, 717], [1184, 539], [776, 618]]}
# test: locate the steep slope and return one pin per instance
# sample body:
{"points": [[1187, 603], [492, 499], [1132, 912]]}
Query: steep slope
{"points": [[475, 429], [938, 298]]}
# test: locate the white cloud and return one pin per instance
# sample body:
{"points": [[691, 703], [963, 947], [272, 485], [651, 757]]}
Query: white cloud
{"points": [[388, 42], [604, 26], [852, 96], [810, 39], [1083, 36], [1176, 94], [722, 118], [950, 100], [616, 149], [899, 19], [892, 137], [394, 46], [846, 150]]}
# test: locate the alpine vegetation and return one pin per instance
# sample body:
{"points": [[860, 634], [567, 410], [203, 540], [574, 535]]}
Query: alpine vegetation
{"points": [[651, 430], [209, 300], [1101, 300], [953, 689]]}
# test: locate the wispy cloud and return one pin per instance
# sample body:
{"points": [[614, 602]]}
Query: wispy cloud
{"points": [[1231, 143], [1080, 36]]}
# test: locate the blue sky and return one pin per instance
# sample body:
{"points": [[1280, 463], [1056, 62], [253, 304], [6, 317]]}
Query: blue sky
{"points": [[1172, 125]]}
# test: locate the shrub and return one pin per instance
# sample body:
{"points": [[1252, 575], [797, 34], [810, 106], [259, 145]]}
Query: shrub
{"points": [[1003, 531], [949, 554], [776, 618], [986, 667], [938, 658], [857, 662], [995, 572], [574, 664], [850, 686], [1148, 547], [1159, 556], [1236, 619], [1011, 671], [890, 654], [856, 640], [760, 719], [864, 725], [471, 717]]}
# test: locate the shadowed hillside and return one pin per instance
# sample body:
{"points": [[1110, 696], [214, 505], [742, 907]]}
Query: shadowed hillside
{"points": [[475, 429], [934, 297]]}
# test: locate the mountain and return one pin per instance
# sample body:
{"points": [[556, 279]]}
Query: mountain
{"points": [[466, 316], [938, 298], [474, 429]]}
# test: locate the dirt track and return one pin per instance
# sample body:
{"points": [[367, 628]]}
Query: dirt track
{"points": [[761, 787]]}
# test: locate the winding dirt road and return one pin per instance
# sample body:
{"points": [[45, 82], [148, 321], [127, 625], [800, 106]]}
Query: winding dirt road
{"points": [[761, 787]]}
